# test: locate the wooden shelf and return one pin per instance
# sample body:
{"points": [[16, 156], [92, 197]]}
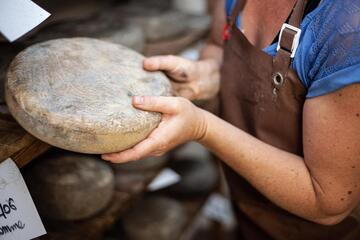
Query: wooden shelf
{"points": [[16, 143]]}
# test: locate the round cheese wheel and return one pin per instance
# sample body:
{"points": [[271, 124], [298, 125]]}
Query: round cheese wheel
{"points": [[69, 186], [7, 52], [76, 94], [125, 33], [193, 171], [149, 163], [158, 24], [130, 35], [155, 217], [199, 7]]}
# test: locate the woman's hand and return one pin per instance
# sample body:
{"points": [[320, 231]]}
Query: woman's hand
{"points": [[181, 121], [190, 79]]}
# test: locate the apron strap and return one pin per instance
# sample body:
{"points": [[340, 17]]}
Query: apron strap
{"points": [[239, 6], [290, 33], [288, 41], [289, 36], [298, 13]]}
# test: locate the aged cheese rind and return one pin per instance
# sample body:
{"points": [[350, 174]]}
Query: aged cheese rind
{"points": [[76, 94], [68, 186], [155, 217]]}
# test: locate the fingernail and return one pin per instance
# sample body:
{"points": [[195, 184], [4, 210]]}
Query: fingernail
{"points": [[138, 100]]}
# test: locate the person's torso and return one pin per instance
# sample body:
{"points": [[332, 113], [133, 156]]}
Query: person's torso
{"points": [[264, 96]]}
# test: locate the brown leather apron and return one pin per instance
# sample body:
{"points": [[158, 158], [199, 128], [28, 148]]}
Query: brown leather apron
{"points": [[263, 96]]}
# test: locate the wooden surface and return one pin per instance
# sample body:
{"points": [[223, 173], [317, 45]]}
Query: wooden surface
{"points": [[16, 143], [75, 94]]}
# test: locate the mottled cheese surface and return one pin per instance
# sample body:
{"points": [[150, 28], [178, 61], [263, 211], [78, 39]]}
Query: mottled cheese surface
{"points": [[76, 94]]}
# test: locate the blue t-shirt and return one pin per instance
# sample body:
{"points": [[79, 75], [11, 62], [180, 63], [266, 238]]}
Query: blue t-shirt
{"points": [[328, 56]]}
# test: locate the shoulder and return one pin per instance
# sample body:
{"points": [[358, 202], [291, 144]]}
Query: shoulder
{"points": [[335, 18], [329, 57]]}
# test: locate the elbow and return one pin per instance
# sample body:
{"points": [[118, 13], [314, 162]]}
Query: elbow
{"points": [[330, 221], [330, 213]]}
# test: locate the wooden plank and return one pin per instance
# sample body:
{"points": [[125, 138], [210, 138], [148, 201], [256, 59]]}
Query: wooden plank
{"points": [[16, 143], [30, 152]]}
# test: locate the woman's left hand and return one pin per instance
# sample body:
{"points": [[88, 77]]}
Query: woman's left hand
{"points": [[181, 121]]}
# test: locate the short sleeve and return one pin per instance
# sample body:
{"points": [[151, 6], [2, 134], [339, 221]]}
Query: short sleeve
{"points": [[229, 6], [328, 57]]}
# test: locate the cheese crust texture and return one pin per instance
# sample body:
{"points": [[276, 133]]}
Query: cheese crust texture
{"points": [[76, 94]]}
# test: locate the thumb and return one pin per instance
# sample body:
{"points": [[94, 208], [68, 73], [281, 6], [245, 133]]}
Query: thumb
{"points": [[167, 105]]}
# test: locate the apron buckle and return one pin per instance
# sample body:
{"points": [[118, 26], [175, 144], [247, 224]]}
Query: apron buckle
{"points": [[295, 33]]}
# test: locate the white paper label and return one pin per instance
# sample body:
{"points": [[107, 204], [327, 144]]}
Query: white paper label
{"points": [[18, 17], [19, 219], [166, 178]]}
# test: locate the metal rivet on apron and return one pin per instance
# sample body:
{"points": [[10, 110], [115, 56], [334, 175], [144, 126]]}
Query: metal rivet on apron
{"points": [[278, 79]]}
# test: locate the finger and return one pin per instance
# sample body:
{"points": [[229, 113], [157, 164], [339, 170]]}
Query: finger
{"points": [[184, 90], [167, 105], [163, 63], [178, 67], [187, 93], [140, 151]]}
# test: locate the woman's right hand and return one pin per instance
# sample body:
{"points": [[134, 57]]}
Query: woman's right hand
{"points": [[194, 80]]}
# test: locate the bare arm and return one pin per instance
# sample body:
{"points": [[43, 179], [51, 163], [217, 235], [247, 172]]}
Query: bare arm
{"points": [[213, 47], [324, 186]]}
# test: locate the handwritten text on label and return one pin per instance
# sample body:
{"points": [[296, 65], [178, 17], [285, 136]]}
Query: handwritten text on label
{"points": [[7, 207]]}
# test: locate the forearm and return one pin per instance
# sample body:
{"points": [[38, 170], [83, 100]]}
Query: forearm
{"points": [[212, 51], [210, 61], [281, 176], [213, 48]]}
